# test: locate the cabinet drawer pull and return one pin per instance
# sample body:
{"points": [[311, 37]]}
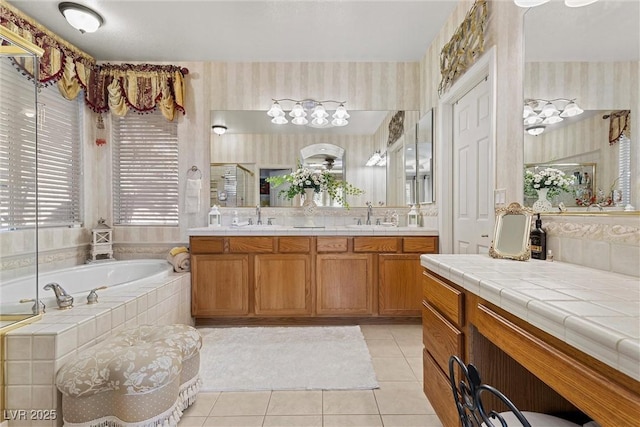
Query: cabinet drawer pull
{"points": [[484, 235]]}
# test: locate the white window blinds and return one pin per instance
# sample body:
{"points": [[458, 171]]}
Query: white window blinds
{"points": [[58, 153], [145, 170]]}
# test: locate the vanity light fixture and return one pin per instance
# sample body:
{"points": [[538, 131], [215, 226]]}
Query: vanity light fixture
{"points": [[80, 17], [540, 112], [219, 129], [568, 3], [308, 112], [377, 159]]}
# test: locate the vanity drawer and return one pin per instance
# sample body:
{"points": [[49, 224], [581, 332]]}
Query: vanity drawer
{"points": [[332, 244], [375, 244], [440, 337], [447, 300], [206, 245], [424, 245], [251, 244], [294, 244], [437, 387]]}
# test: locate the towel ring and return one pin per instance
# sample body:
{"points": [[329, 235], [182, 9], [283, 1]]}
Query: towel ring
{"points": [[194, 173]]}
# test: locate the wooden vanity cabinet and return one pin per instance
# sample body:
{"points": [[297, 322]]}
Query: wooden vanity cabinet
{"points": [[344, 280], [307, 276]]}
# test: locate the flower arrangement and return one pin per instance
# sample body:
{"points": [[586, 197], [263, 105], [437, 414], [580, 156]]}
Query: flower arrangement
{"points": [[303, 178], [553, 179]]}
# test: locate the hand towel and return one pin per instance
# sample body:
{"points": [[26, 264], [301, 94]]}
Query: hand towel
{"points": [[192, 195], [178, 250], [181, 262]]}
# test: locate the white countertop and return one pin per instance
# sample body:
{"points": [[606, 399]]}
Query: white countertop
{"points": [[595, 311], [279, 230]]}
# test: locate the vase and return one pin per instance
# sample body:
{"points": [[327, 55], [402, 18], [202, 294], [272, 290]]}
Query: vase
{"points": [[542, 204], [309, 207]]}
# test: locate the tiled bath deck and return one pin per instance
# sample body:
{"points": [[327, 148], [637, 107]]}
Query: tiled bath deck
{"points": [[33, 353]]}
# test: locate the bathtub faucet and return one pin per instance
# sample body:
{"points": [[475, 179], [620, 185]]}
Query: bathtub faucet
{"points": [[63, 299]]}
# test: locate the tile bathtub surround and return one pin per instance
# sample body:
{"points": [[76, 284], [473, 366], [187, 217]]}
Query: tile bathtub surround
{"points": [[597, 312], [35, 352]]}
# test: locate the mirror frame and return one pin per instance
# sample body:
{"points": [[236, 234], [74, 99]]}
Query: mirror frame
{"points": [[523, 253]]}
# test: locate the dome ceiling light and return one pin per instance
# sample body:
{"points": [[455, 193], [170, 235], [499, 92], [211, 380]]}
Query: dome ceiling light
{"points": [[80, 17], [219, 129]]}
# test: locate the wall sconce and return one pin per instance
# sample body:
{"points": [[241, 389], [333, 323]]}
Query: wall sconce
{"points": [[309, 107], [219, 129], [80, 17]]}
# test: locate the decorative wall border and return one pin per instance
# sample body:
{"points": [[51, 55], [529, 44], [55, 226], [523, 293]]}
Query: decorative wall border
{"points": [[466, 44], [612, 233]]}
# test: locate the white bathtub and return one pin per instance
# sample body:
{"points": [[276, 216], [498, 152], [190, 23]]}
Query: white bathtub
{"points": [[78, 281]]}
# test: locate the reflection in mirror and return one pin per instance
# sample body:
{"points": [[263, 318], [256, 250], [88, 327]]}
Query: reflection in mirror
{"points": [[574, 53], [324, 157], [232, 185], [252, 139], [581, 192], [511, 235], [268, 192], [424, 155]]}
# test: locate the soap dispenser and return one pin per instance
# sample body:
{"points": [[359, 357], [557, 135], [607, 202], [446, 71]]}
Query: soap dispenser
{"points": [[538, 241]]}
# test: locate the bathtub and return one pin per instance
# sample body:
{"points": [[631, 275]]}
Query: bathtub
{"points": [[78, 281]]}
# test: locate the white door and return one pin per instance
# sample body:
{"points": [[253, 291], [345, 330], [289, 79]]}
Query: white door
{"points": [[472, 193]]}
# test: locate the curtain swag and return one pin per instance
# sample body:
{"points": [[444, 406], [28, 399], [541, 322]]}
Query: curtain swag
{"points": [[619, 124], [114, 88]]}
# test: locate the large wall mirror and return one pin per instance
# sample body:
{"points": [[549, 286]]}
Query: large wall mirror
{"points": [[589, 54], [264, 148]]}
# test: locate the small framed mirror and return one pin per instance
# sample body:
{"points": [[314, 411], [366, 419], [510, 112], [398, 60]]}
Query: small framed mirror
{"points": [[511, 236]]}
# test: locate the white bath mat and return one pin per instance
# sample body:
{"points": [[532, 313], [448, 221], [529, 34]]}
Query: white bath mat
{"points": [[285, 358]]}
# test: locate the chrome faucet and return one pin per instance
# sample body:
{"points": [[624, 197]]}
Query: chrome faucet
{"points": [[63, 299], [369, 211], [259, 222]]}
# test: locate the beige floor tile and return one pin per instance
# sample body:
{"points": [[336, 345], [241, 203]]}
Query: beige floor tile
{"points": [[384, 348], [293, 421], [248, 421], [352, 421], [241, 403], [392, 369], [346, 402], [202, 406], [376, 332], [191, 421], [410, 348], [295, 403], [411, 421], [406, 332], [402, 398], [415, 363]]}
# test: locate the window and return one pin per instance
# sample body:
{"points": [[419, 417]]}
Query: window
{"points": [[58, 153], [145, 170]]}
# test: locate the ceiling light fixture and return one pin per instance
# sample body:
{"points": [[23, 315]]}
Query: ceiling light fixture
{"points": [[315, 110], [219, 129], [81, 17], [540, 112]]}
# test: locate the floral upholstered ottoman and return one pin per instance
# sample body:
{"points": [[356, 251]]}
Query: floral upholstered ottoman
{"points": [[141, 377]]}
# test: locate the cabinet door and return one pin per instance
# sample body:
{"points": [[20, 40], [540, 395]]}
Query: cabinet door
{"points": [[344, 284], [399, 285], [283, 284], [219, 285]]}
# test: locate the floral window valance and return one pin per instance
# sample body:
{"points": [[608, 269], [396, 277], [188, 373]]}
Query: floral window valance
{"points": [[115, 88]]}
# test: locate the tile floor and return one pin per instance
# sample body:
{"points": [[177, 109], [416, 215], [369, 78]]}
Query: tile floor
{"points": [[396, 351]]}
